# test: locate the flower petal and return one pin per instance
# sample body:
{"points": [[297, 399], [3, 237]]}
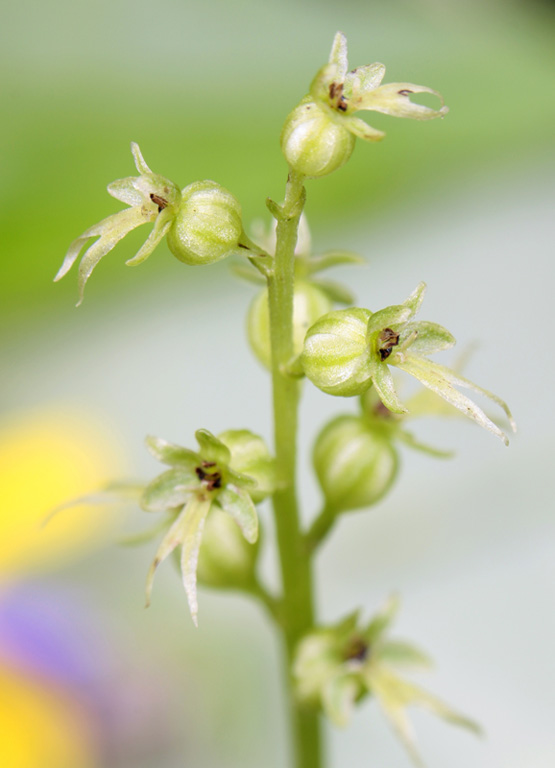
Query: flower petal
{"points": [[408, 439], [382, 620], [414, 301], [441, 380], [383, 685], [385, 318], [170, 541], [430, 338], [363, 79], [330, 259], [338, 55], [172, 454], [237, 503], [212, 449], [194, 516], [121, 224], [361, 129], [393, 99], [126, 191], [384, 386], [170, 489], [400, 653], [338, 698], [395, 694], [163, 222], [140, 163]]}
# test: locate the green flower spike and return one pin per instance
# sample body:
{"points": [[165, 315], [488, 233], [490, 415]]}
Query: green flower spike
{"points": [[198, 482], [319, 135], [336, 667], [152, 198], [347, 351], [312, 297]]}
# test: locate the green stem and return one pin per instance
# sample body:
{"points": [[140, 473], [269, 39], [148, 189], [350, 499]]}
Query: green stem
{"points": [[319, 529], [297, 607]]}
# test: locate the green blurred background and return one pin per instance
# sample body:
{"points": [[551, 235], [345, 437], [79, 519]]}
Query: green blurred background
{"points": [[465, 203]]}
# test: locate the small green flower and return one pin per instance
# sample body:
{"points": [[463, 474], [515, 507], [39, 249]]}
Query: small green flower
{"points": [[349, 350], [152, 198], [335, 667], [197, 482], [319, 135]]}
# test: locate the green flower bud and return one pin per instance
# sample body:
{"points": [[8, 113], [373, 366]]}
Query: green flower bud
{"points": [[355, 465], [207, 226], [226, 559], [335, 355], [251, 458], [313, 141], [309, 303]]}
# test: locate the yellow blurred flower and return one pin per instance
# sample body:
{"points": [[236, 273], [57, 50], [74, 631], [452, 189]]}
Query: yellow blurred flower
{"points": [[40, 727], [48, 457]]}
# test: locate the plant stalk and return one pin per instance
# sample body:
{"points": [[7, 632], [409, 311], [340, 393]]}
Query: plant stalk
{"points": [[297, 608]]}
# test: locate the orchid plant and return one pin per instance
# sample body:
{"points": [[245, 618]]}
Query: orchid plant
{"points": [[207, 498]]}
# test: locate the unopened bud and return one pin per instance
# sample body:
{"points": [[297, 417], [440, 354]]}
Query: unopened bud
{"points": [[355, 465], [313, 140], [309, 303], [226, 559], [207, 226], [335, 355]]}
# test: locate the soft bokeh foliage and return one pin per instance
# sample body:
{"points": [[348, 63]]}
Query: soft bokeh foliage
{"points": [[205, 88]]}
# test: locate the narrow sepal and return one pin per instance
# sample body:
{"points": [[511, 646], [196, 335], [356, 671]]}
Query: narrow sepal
{"points": [[237, 503], [402, 654], [194, 517], [381, 622], [123, 222], [412, 442], [140, 163], [168, 490], [362, 130], [384, 385], [394, 99], [430, 338], [441, 380], [338, 55], [172, 454], [335, 258], [338, 698], [171, 540], [414, 301], [161, 225]]}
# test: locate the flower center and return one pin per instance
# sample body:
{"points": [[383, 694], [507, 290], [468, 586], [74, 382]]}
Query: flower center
{"points": [[212, 480], [337, 100], [387, 339], [356, 650], [161, 202]]}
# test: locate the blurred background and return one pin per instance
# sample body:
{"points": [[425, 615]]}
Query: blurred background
{"points": [[88, 679]]}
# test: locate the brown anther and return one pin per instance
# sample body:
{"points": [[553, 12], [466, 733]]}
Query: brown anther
{"points": [[211, 480], [404, 92], [336, 97], [356, 650], [387, 339], [161, 202]]}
